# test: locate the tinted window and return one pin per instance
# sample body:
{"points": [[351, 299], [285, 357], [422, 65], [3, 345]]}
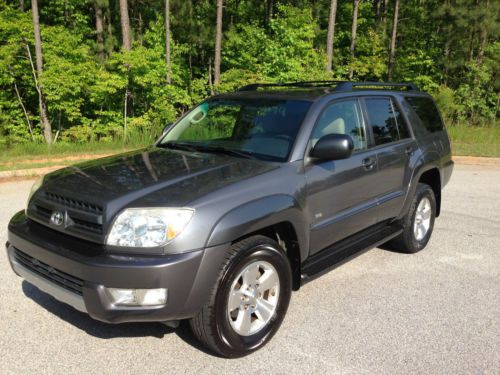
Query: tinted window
{"points": [[386, 121], [427, 111], [265, 128], [342, 118]]}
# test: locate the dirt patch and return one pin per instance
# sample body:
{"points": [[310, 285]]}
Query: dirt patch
{"points": [[28, 173], [476, 160], [56, 159]]}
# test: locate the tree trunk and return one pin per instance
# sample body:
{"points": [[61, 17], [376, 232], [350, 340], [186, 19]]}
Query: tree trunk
{"points": [[99, 29], [378, 9], [21, 5], [384, 13], [483, 39], [44, 119], [218, 41], [109, 30], [269, 11], [125, 22], [354, 29], [210, 84], [392, 48], [167, 41], [330, 35]]}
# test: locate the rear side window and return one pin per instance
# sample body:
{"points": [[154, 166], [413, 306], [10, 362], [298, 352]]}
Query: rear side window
{"points": [[385, 120], [427, 112]]}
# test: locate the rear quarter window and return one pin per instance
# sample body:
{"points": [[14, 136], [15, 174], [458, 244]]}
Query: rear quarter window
{"points": [[427, 112]]}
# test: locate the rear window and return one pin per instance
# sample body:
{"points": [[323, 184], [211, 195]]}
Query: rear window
{"points": [[385, 120], [427, 112]]}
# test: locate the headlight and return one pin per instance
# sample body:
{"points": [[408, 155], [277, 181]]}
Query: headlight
{"points": [[148, 227], [33, 190]]}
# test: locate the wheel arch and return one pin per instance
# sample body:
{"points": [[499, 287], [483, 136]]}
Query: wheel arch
{"points": [[429, 175], [432, 177], [278, 217]]}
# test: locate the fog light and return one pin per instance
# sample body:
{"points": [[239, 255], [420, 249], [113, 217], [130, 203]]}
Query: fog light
{"points": [[138, 297]]}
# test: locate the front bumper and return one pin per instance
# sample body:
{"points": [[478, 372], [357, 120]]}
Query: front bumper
{"points": [[49, 261]]}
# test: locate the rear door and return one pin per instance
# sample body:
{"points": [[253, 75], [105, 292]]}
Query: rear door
{"points": [[393, 144], [340, 197]]}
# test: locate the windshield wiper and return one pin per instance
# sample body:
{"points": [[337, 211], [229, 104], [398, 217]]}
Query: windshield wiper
{"points": [[227, 151], [210, 149], [179, 146]]}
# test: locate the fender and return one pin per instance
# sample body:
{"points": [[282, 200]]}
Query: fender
{"points": [[420, 167], [258, 214]]}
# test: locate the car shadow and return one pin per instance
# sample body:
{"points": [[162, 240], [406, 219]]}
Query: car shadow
{"points": [[104, 330], [388, 246]]}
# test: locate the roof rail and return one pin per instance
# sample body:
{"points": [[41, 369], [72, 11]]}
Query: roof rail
{"points": [[336, 85], [256, 86], [350, 86]]}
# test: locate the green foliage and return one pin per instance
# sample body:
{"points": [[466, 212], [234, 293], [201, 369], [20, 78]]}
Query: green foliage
{"points": [[450, 49]]}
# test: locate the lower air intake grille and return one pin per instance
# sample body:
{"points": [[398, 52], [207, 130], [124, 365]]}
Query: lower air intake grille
{"points": [[60, 278]]}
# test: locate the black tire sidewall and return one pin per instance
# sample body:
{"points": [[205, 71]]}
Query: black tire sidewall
{"points": [[423, 191], [235, 345]]}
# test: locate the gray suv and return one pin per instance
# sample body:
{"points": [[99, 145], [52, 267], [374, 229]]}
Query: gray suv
{"points": [[247, 197]]}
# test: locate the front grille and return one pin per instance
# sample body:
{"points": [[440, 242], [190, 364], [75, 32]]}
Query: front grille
{"points": [[43, 211], [81, 218], [84, 225], [73, 203], [60, 278]]}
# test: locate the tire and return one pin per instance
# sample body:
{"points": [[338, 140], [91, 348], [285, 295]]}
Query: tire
{"points": [[229, 333], [411, 241]]}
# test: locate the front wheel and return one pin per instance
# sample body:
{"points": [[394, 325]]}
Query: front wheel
{"points": [[418, 223], [249, 300]]}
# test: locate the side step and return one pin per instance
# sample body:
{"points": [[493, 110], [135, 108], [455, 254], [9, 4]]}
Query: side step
{"points": [[347, 249]]}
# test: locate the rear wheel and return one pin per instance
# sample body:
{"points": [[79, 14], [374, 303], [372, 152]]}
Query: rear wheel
{"points": [[418, 223], [249, 301]]}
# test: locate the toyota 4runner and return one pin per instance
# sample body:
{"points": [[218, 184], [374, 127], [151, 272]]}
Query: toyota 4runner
{"points": [[247, 197]]}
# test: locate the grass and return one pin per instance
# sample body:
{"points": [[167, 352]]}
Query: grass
{"points": [[58, 150], [475, 141], [38, 155]]}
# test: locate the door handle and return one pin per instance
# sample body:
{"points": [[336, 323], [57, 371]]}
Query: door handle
{"points": [[369, 163]]}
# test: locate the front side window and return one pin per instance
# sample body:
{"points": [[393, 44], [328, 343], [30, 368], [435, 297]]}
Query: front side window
{"points": [[261, 128], [342, 117], [385, 120]]}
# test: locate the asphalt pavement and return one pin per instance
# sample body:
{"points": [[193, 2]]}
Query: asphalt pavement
{"points": [[435, 312]]}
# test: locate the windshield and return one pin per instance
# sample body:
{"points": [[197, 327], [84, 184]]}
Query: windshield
{"points": [[259, 128]]}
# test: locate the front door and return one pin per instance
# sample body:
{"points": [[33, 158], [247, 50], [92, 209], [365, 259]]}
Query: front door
{"points": [[340, 196]]}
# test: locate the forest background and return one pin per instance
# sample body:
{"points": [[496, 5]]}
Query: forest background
{"points": [[84, 76]]}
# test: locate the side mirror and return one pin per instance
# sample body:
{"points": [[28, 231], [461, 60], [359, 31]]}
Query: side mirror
{"points": [[333, 147], [167, 128]]}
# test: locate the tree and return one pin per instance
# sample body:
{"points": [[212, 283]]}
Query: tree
{"points": [[218, 41], [99, 30], [354, 28], [167, 41], [392, 48], [44, 119], [269, 11], [125, 23], [330, 35], [449, 48]]}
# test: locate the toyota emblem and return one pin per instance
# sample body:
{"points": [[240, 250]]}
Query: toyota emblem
{"points": [[57, 218]]}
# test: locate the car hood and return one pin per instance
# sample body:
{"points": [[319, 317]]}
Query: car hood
{"points": [[151, 177]]}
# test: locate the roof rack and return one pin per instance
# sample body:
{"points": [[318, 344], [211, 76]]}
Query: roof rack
{"points": [[256, 86], [336, 85], [350, 86]]}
